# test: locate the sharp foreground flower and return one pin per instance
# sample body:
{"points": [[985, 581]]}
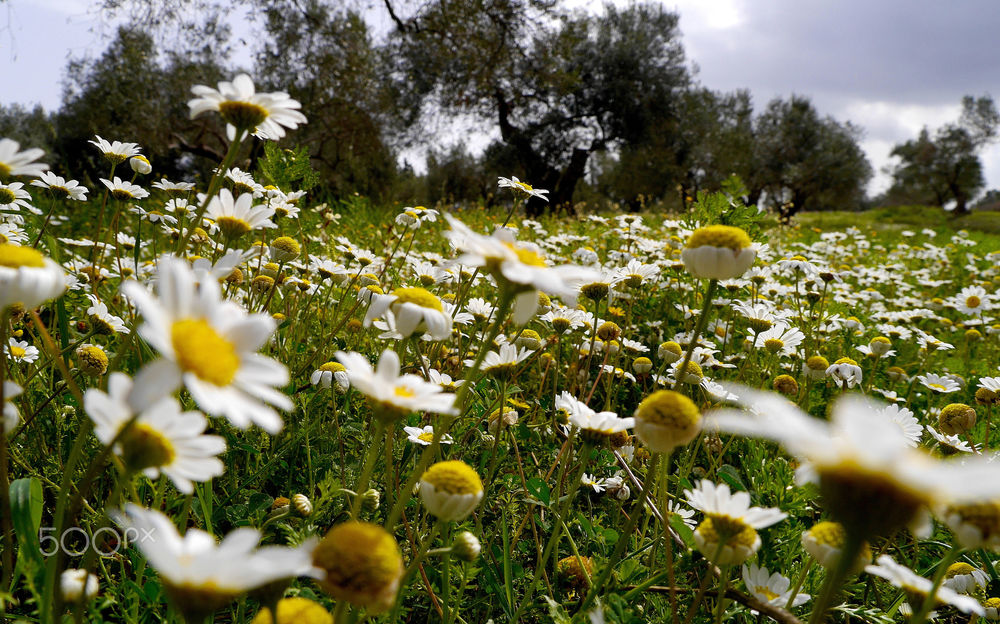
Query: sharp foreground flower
{"points": [[210, 346], [394, 395]]}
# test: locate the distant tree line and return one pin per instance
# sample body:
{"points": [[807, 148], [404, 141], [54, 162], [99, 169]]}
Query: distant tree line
{"points": [[588, 105]]}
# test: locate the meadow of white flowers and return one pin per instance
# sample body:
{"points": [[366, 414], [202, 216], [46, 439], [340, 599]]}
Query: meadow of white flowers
{"points": [[225, 401]]}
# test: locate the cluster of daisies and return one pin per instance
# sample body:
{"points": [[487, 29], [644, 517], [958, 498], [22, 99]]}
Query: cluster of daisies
{"points": [[615, 364]]}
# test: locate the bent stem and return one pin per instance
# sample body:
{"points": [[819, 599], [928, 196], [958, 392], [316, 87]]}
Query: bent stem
{"points": [[369, 467]]}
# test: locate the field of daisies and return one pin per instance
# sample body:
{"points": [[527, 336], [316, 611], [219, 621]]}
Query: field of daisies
{"points": [[225, 401]]}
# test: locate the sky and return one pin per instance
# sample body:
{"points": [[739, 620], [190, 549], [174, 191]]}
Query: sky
{"points": [[889, 66]]}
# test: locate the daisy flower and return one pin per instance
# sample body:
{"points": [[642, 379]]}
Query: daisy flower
{"points": [[972, 300], [61, 188], [779, 339], [503, 361], [21, 351], [27, 277], [124, 191], [102, 321], [906, 421], [519, 267], [870, 477], [513, 183], [414, 309], [208, 345], [846, 371], [162, 439], [115, 151], [917, 588], [728, 534], [13, 197], [718, 252], [200, 575], [16, 163], [596, 426], [825, 542], [450, 490], [236, 217], [265, 115], [174, 188], [937, 383], [394, 395], [332, 372], [770, 589], [964, 578], [425, 435]]}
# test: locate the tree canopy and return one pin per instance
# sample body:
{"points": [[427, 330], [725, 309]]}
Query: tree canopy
{"points": [[605, 100], [945, 167]]}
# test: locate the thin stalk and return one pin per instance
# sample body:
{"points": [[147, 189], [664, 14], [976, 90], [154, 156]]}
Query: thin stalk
{"points": [[699, 328]]}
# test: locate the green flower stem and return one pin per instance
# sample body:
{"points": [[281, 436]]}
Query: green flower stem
{"points": [[471, 376], [446, 581], [369, 467], [556, 532], [798, 583], [848, 556], [213, 188], [698, 329], [921, 616], [623, 536], [720, 607]]}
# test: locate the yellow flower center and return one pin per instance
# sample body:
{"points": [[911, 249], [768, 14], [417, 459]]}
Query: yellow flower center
{"points": [[828, 533], [145, 447], [296, 610], [7, 196], [17, 352], [362, 563], [199, 349], [846, 360], [719, 236], [15, 257], [453, 477], [404, 392], [243, 115], [765, 591], [774, 345], [972, 301], [733, 531], [232, 226], [958, 569], [526, 256], [669, 409], [5, 169], [333, 367], [419, 297], [122, 194], [286, 244], [427, 436]]}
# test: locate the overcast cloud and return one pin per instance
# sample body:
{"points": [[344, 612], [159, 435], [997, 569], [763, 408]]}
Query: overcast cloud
{"points": [[889, 66]]}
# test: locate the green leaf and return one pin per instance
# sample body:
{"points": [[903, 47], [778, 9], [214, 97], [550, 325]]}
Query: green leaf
{"points": [[731, 476], [682, 529], [539, 489], [26, 513]]}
